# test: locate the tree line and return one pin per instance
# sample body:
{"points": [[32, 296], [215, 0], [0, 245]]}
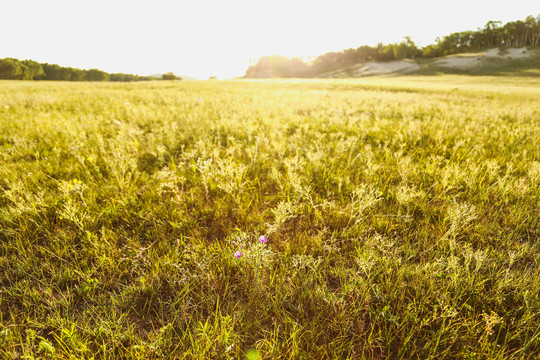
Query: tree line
{"points": [[15, 69], [494, 34]]}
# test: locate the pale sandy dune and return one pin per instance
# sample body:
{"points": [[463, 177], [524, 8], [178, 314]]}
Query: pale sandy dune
{"points": [[459, 62], [467, 62], [374, 68], [512, 53]]}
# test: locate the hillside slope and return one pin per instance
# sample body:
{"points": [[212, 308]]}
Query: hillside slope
{"points": [[484, 62]]}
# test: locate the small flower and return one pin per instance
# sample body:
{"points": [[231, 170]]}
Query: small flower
{"points": [[263, 239], [238, 254]]}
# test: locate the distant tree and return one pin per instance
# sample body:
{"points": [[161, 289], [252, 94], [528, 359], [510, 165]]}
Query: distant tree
{"points": [[117, 77], [212, 78], [350, 57], [66, 73], [385, 52], [51, 71], [96, 75], [536, 31], [169, 76], [431, 51], [32, 70], [123, 77], [330, 61], [77, 74], [26, 73], [406, 49], [295, 67], [366, 53], [492, 33], [278, 66], [35, 68], [10, 69]]}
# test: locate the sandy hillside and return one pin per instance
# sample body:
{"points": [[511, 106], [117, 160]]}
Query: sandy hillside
{"points": [[491, 58], [471, 61], [375, 68]]}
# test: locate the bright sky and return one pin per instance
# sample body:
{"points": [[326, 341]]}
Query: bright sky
{"points": [[201, 38]]}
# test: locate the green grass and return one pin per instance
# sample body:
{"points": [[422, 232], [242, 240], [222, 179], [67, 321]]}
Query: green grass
{"points": [[402, 217]]}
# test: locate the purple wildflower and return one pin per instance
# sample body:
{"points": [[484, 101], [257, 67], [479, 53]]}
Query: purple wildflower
{"points": [[238, 254], [263, 239]]}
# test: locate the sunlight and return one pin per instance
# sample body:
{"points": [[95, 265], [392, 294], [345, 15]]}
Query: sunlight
{"points": [[211, 38]]}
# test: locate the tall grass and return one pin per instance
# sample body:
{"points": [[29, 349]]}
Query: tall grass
{"points": [[402, 216]]}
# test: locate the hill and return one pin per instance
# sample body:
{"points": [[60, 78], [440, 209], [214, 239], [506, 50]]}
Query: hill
{"points": [[489, 61], [515, 36]]}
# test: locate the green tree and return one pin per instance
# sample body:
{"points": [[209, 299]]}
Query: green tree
{"points": [[385, 52], [76, 75], [35, 68], [10, 68], [26, 73], [169, 76], [366, 53], [493, 33], [406, 49], [51, 71], [96, 75], [431, 51], [535, 25]]}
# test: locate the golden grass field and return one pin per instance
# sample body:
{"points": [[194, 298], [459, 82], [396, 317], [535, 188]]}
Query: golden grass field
{"points": [[402, 217]]}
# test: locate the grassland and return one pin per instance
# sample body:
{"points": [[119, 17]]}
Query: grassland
{"points": [[402, 216]]}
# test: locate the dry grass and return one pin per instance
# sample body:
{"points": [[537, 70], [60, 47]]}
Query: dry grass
{"points": [[402, 217]]}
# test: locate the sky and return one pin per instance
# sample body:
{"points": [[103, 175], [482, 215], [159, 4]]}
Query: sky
{"points": [[203, 38]]}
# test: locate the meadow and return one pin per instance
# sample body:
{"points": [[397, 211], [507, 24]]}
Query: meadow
{"points": [[402, 218]]}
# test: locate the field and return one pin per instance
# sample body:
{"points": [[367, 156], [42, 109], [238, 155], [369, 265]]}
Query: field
{"points": [[402, 217]]}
